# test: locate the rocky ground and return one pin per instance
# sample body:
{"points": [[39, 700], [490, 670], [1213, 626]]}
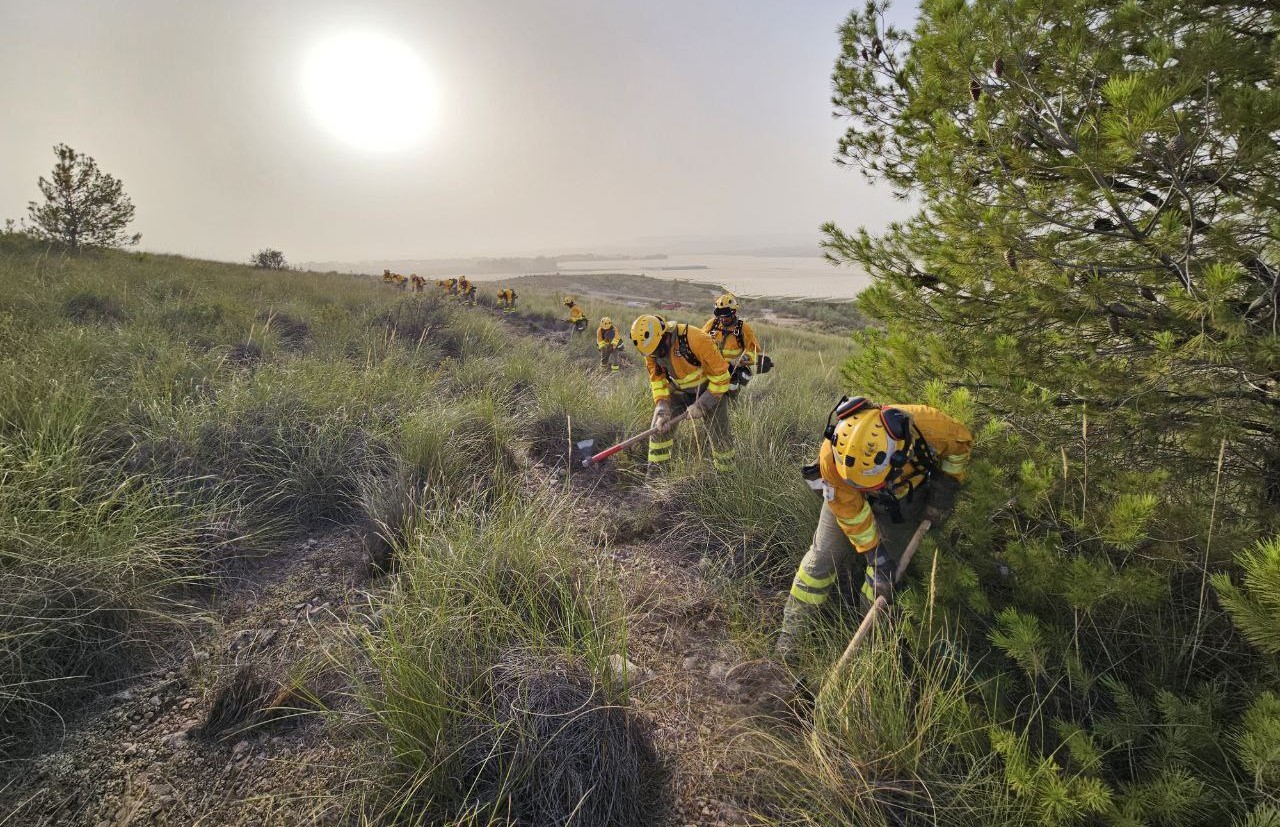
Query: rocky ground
{"points": [[227, 728]]}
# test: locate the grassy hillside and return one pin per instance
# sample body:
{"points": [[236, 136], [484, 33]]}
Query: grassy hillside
{"points": [[166, 420], [306, 546]]}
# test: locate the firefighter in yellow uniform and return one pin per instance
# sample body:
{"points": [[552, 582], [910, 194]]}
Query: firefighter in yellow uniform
{"points": [[442, 285], [418, 282], [736, 340], [609, 341], [577, 317], [452, 287], [466, 290], [880, 471], [687, 374], [388, 277], [507, 300]]}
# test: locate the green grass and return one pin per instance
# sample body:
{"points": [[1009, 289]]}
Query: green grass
{"points": [[160, 416]]}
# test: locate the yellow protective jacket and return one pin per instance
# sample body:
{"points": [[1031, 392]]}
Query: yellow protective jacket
{"points": [[951, 441], [507, 295], [607, 336], [453, 286], [464, 285], [676, 371], [576, 314], [735, 339]]}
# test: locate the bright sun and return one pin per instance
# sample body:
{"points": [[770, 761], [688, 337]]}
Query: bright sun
{"points": [[369, 91]]}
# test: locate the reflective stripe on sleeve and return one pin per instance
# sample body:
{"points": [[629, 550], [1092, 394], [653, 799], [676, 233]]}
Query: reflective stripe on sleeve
{"points": [[690, 380], [719, 383], [857, 519], [865, 537], [954, 463]]}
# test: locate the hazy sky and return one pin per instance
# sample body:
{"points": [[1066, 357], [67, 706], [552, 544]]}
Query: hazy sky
{"points": [[558, 124]]}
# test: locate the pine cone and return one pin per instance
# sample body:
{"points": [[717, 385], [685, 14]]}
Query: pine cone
{"points": [[975, 90], [1148, 293], [865, 57], [877, 46], [1103, 225], [1011, 259], [998, 67], [1114, 324]]}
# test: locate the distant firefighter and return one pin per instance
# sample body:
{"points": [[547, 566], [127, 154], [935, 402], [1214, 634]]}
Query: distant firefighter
{"points": [[467, 290], [507, 300], [418, 282], [609, 341], [395, 279], [577, 317]]}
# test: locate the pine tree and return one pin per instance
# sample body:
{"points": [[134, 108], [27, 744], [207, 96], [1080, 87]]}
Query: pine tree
{"points": [[1095, 261], [83, 206]]}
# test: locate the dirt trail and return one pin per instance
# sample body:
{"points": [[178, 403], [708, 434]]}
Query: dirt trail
{"points": [[142, 757]]}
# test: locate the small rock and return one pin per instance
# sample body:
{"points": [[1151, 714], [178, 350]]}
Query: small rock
{"points": [[130, 750], [690, 663], [241, 748], [626, 672]]}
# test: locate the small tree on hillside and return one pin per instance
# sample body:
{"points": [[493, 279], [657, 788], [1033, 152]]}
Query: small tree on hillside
{"points": [[269, 259], [83, 206]]}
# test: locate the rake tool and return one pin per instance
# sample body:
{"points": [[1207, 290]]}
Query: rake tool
{"points": [[587, 444]]}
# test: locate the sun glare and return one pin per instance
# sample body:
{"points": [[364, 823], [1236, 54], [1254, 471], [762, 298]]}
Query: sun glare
{"points": [[370, 91]]}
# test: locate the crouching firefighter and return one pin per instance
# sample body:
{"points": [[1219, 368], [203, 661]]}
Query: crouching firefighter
{"points": [[687, 375], [881, 470], [609, 341]]}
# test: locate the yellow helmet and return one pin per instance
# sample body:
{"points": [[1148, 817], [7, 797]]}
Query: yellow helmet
{"points": [[864, 444], [647, 332], [726, 305], [567, 301], [605, 321]]}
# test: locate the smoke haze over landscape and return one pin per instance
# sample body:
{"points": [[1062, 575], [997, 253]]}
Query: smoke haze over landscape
{"points": [[560, 128]]}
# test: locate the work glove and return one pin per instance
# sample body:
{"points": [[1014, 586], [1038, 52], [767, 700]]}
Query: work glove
{"points": [[662, 417], [706, 404], [880, 571], [942, 499]]}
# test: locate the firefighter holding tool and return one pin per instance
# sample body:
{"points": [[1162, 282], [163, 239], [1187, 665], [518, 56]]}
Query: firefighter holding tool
{"points": [[881, 470], [687, 375]]}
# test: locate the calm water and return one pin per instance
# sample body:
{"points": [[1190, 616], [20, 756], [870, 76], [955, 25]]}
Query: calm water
{"points": [[808, 276]]}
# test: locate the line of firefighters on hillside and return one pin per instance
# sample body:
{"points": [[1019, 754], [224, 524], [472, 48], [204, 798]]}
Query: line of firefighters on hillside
{"points": [[881, 469]]}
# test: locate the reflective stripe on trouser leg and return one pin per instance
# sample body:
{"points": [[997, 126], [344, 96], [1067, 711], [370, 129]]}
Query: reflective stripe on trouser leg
{"points": [[660, 449], [722, 450], [817, 573]]}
